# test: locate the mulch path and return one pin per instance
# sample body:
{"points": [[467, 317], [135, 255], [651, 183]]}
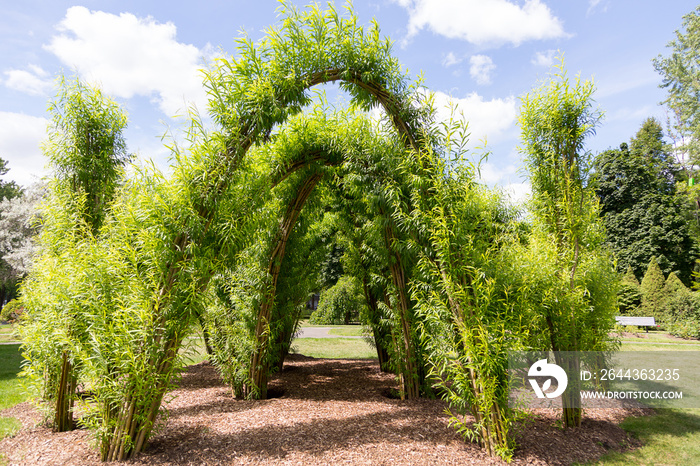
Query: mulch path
{"points": [[321, 411]]}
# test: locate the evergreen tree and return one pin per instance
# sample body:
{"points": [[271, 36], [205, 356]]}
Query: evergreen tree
{"points": [[643, 217], [652, 288], [674, 285], [629, 295]]}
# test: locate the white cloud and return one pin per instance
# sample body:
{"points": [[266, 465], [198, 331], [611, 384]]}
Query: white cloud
{"points": [[544, 59], [480, 68], [450, 60], [518, 193], [631, 114], [592, 6], [480, 22], [488, 119], [20, 139], [128, 56], [34, 81], [492, 175], [515, 192]]}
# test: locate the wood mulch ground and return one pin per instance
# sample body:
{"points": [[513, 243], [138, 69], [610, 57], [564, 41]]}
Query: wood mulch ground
{"points": [[321, 412]]}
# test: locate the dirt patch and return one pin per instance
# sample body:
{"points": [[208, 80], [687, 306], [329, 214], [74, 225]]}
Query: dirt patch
{"points": [[325, 412]]}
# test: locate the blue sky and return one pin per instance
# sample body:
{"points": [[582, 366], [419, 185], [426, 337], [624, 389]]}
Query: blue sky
{"points": [[483, 54]]}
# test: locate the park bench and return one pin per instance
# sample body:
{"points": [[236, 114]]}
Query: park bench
{"points": [[645, 322]]}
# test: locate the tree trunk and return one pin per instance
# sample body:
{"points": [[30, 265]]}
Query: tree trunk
{"points": [[205, 335], [571, 398], [409, 370], [259, 369], [65, 393], [380, 336]]}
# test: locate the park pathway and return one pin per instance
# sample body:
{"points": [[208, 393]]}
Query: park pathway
{"points": [[319, 332]]}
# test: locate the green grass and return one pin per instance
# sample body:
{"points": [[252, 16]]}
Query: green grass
{"points": [[632, 346], [670, 437], [11, 392], [7, 333], [194, 351], [656, 340], [334, 348], [346, 330]]}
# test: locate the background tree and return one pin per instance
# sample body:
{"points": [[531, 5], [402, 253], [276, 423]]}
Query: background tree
{"points": [[670, 302], [629, 295], [343, 303], [680, 72], [8, 237], [644, 218], [8, 189], [652, 289], [18, 226], [331, 266]]}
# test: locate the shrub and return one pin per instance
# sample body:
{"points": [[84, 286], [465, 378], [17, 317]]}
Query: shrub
{"points": [[340, 304], [685, 328], [11, 311]]}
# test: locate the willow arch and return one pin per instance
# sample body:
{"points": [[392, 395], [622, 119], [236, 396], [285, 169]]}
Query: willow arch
{"points": [[309, 148], [249, 96]]}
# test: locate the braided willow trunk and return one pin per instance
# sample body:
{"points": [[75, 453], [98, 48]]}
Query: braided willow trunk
{"points": [[136, 415], [571, 398], [259, 369], [493, 432], [408, 370], [65, 393], [379, 335], [492, 419]]}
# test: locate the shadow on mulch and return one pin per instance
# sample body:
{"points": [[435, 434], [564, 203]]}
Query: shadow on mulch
{"points": [[326, 412]]}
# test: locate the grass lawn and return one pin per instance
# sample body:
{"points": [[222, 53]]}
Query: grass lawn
{"points": [[11, 393], [346, 330], [671, 437], [334, 348], [6, 333], [656, 336]]}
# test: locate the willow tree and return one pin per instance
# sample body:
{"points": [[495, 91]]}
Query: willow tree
{"points": [[555, 120], [268, 82], [87, 153], [470, 316], [165, 238], [302, 155], [374, 192]]}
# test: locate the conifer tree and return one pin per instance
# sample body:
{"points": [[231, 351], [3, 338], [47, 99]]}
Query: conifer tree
{"points": [[674, 285], [653, 290], [629, 295]]}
